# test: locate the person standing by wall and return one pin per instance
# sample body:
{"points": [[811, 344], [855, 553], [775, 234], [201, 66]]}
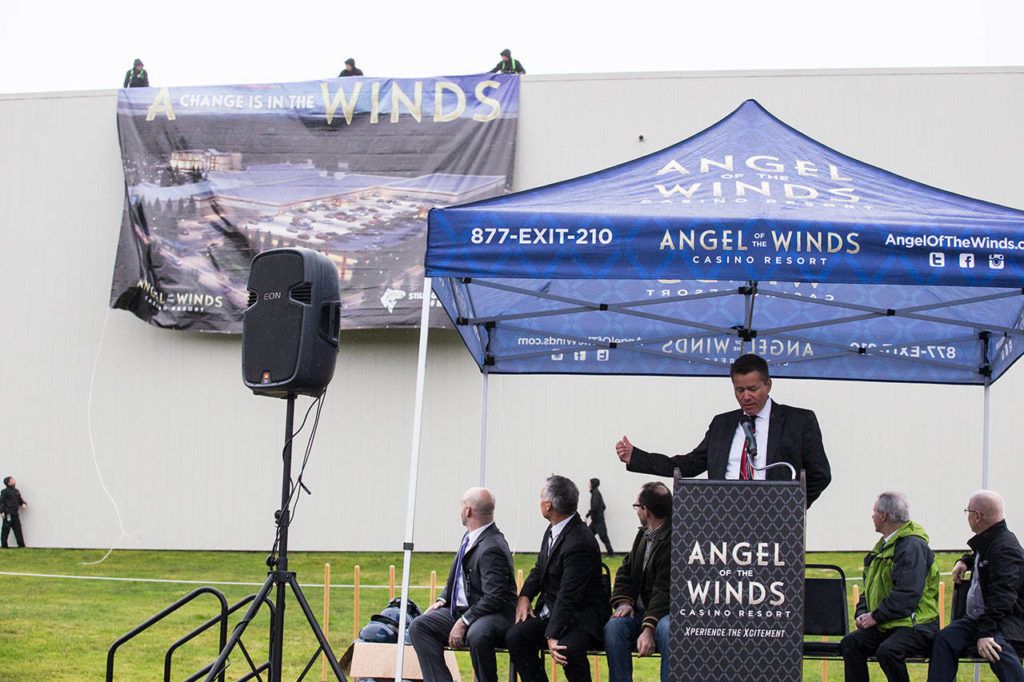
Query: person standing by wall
{"points": [[11, 504], [596, 514]]}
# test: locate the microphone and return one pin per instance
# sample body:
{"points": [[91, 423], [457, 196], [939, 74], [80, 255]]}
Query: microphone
{"points": [[750, 451], [747, 424]]}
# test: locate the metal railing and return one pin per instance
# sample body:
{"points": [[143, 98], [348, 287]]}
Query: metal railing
{"points": [[220, 620]]}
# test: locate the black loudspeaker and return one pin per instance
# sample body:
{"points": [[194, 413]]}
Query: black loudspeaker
{"points": [[290, 328]]}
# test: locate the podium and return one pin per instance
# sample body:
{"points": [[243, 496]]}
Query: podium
{"points": [[737, 580]]}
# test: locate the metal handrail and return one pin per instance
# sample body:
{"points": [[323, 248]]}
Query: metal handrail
{"points": [[160, 616], [223, 620]]}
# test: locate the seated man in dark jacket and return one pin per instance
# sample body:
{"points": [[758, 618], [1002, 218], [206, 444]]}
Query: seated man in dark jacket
{"points": [[641, 593], [898, 614], [478, 600], [571, 590], [995, 602]]}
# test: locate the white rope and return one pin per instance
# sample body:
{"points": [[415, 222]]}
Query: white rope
{"points": [[190, 582], [92, 449]]}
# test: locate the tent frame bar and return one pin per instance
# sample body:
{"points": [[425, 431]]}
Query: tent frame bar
{"points": [[909, 313], [634, 346]]}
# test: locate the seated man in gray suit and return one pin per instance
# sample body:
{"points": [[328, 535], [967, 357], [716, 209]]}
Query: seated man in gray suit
{"points": [[571, 590], [478, 601]]}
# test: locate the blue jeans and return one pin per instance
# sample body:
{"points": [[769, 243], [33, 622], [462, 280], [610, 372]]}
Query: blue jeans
{"points": [[620, 635], [954, 639]]}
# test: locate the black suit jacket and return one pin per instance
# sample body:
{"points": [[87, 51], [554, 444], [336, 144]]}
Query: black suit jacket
{"points": [[793, 436], [570, 581], [488, 570], [1001, 577]]}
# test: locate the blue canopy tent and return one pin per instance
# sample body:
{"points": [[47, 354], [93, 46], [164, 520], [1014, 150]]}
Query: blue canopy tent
{"points": [[747, 237]]}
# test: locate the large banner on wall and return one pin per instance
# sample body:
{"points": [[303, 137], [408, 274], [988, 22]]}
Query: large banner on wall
{"points": [[348, 167]]}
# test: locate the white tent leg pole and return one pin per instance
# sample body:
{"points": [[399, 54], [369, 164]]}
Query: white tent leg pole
{"points": [[985, 439], [414, 466], [483, 429], [984, 475]]}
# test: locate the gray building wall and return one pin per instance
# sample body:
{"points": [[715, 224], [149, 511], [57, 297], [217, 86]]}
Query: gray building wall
{"points": [[121, 434]]}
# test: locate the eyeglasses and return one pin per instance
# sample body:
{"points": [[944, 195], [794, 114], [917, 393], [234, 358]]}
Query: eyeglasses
{"points": [[637, 506], [974, 511]]}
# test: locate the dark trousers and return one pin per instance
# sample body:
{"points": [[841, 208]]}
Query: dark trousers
{"points": [[892, 648], [959, 636], [429, 635], [599, 529], [12, 521], [526, 640]]}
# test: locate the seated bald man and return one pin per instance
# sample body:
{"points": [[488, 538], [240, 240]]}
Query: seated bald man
{"points": [[995, 602], [478, 601]]}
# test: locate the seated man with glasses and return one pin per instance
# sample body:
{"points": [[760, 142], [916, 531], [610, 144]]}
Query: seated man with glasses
{"points": [[995, 602], [640, 596]]}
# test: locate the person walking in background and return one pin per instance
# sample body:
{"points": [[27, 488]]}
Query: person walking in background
{"points": [[596, 514], [11, 504], [137, 76]]}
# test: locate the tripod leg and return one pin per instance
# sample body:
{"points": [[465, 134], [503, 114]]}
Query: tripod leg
{"points": [[311, 619], [218, 665], [277, 632]]}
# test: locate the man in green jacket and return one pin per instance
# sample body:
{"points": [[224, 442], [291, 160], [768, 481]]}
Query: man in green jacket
{"points": [[898, 614]]}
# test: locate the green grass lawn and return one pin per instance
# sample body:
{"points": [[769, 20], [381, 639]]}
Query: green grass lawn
{"points": [[60, 628]]}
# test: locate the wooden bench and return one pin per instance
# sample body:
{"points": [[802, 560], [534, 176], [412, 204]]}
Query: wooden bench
{"points": [[826, 614]]}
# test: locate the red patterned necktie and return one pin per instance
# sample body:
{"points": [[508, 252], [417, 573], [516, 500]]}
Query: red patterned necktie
{"points": [[749, 447]]}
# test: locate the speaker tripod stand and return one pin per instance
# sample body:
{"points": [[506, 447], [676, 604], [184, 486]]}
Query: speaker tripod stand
{"points": [[280, 578]]}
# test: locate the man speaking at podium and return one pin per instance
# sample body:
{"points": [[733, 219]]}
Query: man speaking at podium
{"points": [[739, 444]]}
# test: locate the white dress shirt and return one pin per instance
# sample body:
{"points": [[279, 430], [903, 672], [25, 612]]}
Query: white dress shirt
{"points": [[460, 581]]}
